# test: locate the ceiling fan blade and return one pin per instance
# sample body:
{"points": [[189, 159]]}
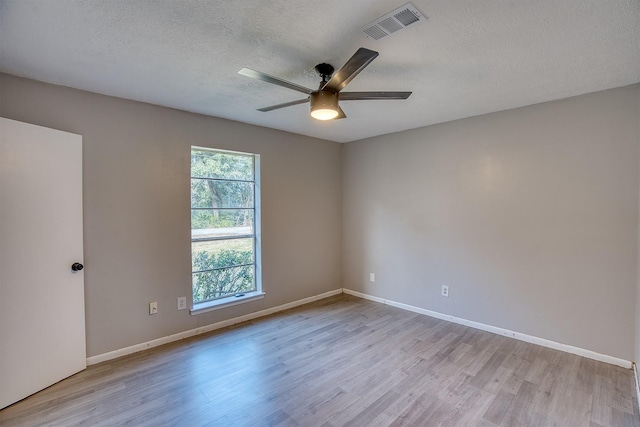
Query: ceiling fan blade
{"points": [[275, 80], [354, 65], [354, 96], [286, 104]]}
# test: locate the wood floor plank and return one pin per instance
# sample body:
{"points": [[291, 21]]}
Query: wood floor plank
{"points": [[335, 362], [499, 407]]}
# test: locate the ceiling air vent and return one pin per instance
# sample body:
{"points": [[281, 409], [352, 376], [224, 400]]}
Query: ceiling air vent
{"points": [[393, 21]]}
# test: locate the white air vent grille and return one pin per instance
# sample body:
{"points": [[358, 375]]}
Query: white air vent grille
{"points": [[393, 21], [406, 17], [375, 32], [390, 25]]}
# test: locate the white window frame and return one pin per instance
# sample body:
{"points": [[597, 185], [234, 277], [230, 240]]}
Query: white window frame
{"points": [[231, 300]]}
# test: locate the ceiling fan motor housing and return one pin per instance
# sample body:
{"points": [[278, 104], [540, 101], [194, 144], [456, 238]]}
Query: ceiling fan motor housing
{"points": [[324, 102], [325, 70]]}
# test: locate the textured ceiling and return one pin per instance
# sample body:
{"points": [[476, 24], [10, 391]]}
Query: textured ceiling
{"points": [[468, 58]]}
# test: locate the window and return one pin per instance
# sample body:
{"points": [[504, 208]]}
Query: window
{"points": [[225, 227]]}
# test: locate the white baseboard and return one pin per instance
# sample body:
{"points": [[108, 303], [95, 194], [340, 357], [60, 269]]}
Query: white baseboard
{"points": [[477, 325], [500, 331], [208, 328]]}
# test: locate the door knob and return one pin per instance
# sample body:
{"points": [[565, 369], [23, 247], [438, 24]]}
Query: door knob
{"points": [[76, 266]]}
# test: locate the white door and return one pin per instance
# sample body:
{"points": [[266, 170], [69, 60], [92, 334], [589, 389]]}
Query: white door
{"points": [[42, 338]]}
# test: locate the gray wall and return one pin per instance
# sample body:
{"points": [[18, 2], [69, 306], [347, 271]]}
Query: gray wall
{"points": [[529, 215], [136, 161]]}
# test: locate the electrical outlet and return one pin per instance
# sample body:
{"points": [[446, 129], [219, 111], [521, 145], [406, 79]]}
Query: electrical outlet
{"points": [[372, 277], [182, 303], [445, 290], [153, 307]]}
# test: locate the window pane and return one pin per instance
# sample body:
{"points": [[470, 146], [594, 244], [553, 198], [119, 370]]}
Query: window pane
{"points": [[215, 164], [220, 283], [221, 253], [209, 223], [206, 193], [223, 213]]}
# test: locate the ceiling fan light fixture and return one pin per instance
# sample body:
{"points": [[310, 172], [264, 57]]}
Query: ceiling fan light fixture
{"points": [[324, 105], [324, 114]]}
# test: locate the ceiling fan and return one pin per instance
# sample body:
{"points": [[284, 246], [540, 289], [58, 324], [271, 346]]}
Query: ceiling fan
{"points": [[324, 101]]}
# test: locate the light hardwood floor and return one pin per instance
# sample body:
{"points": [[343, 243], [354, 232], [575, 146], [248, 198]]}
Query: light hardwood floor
{"points": [[341, 361]]}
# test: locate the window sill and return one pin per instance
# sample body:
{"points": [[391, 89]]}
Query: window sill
{"points": [[208, 306]]}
